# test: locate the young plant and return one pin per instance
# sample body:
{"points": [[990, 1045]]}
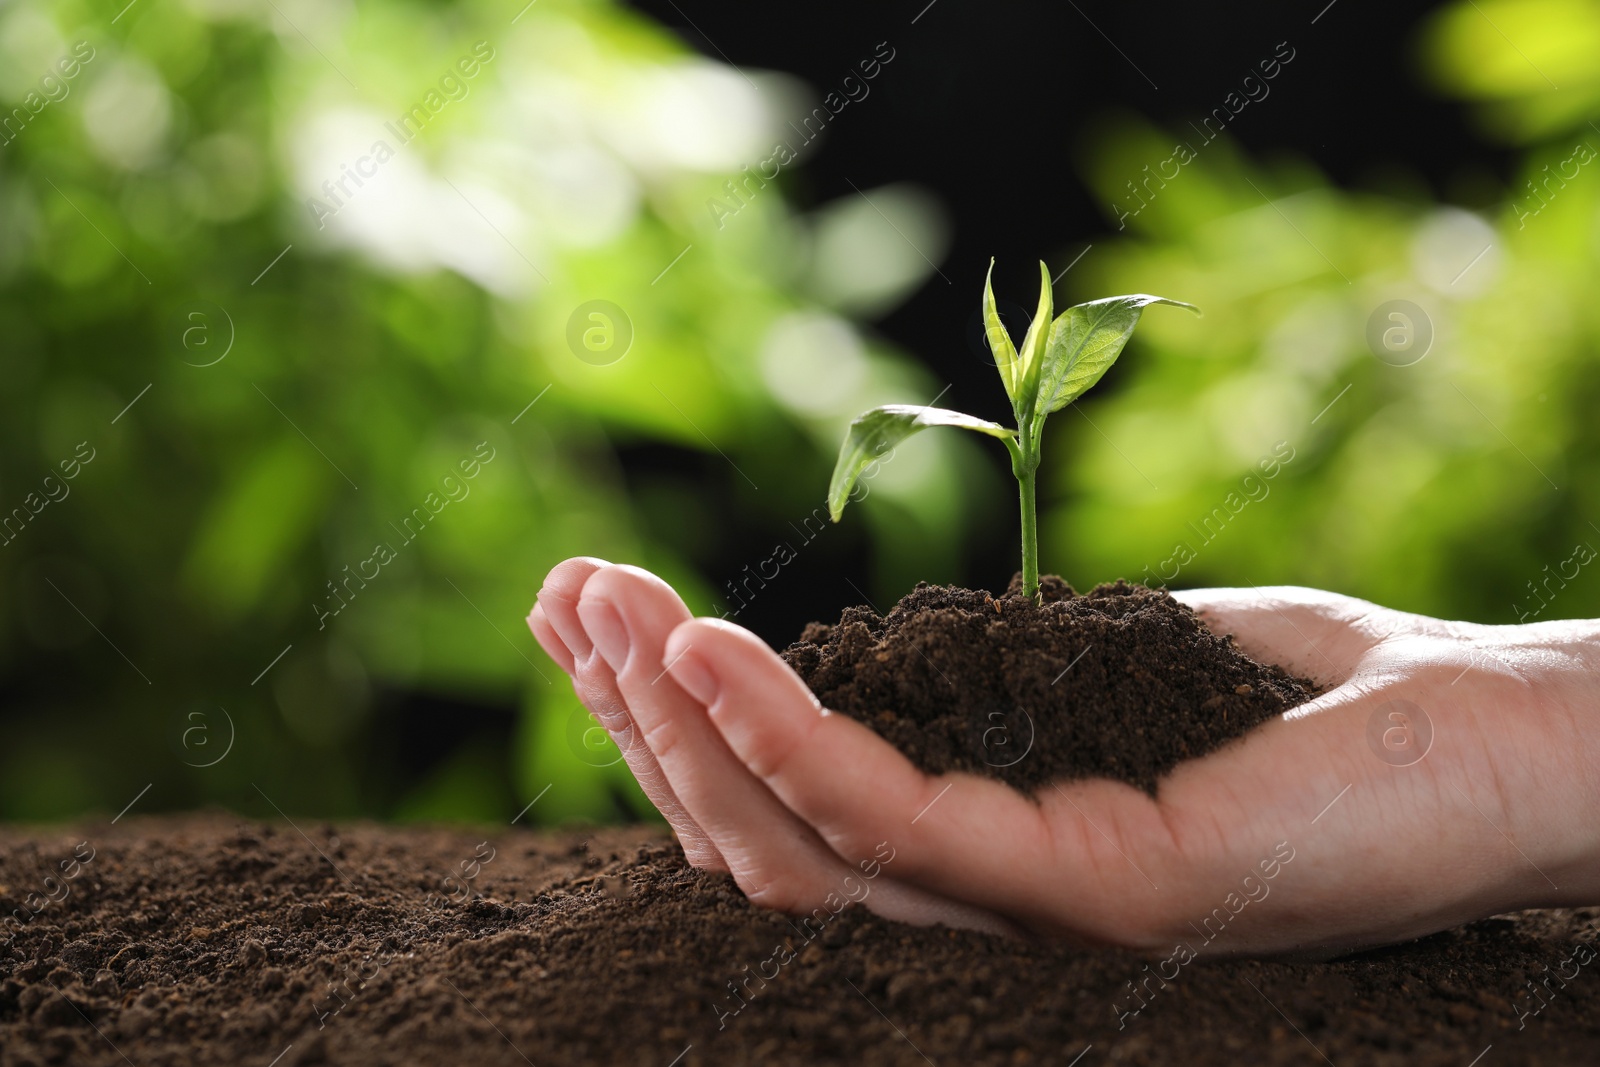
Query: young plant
{"points": [[1058, 362]]}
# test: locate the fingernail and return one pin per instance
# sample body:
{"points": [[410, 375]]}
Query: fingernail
{"points": [[693, 676], [604, 627]]}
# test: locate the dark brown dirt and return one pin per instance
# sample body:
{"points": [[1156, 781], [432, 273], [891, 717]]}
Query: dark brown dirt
{"points": [[1120, 682], [211, 940]]}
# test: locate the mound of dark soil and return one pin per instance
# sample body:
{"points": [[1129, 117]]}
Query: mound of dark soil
{"points": [[210, 940], [1120, 682]]}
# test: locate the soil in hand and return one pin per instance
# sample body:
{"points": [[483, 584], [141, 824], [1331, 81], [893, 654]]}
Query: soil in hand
{"points": [[1120, 682]]}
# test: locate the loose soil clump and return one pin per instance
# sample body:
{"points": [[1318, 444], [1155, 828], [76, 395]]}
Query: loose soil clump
{"points": [[1121, 682], [212, 940]]}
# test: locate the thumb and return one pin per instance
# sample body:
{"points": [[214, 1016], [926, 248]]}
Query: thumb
{"points": [[1308, 632]]}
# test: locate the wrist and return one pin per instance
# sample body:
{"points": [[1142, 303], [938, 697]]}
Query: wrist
{"points": [[1575, 643], [1558, 666]]}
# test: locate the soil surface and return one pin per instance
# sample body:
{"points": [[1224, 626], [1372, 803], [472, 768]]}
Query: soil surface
{"points": [[208, 939], [1121, 682], [212, 940]]}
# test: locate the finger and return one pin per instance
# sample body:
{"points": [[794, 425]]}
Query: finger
{"points": [[1308, 632], [549, 640], [907, 903], [559, 598], [960, 836], [776, 858], [596, 687]]}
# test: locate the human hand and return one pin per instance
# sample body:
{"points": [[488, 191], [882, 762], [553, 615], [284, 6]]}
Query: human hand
{"points": [[1324, 830], [607, 627]]}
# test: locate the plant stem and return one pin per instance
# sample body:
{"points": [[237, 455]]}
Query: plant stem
{"points": [[1030, 538], [1025, 465]]}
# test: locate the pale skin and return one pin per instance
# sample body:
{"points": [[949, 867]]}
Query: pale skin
{"points": [[757, 779]]}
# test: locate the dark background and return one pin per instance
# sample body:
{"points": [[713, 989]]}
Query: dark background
{"points": [[1016, 89]]}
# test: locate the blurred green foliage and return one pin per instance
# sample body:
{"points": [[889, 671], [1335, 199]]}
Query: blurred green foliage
{"points": [[322, 352], [1528, 64], [1456, 485], [275, 365]]}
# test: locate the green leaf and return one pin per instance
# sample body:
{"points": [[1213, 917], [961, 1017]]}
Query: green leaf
{"points": [[1084, 341], [875, 432], [1005, 354], [1031, 356]]}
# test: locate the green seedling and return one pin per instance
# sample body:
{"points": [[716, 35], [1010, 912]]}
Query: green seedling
{"points": [[1058, 362]]}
